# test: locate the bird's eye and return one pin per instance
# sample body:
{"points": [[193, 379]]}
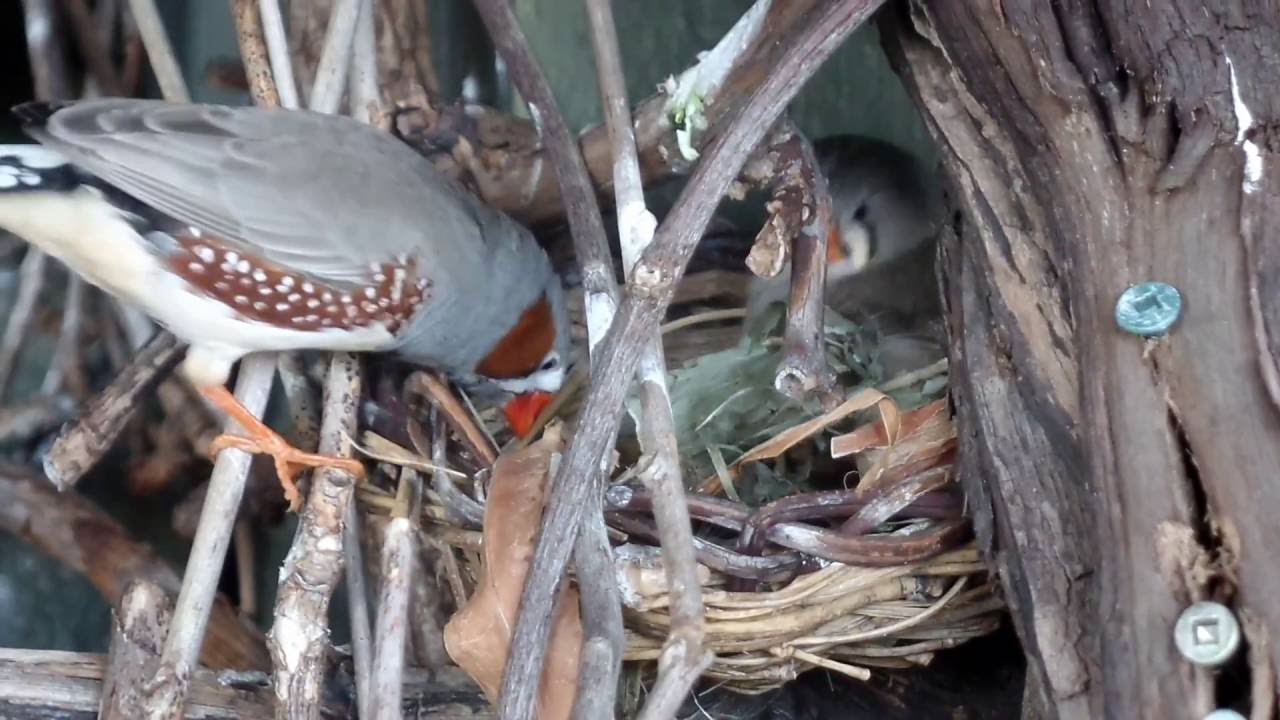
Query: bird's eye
{"points": [[550, 363], [860, 214]]}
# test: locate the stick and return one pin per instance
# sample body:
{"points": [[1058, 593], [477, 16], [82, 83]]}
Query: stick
{"points": [[335, 59], [362, 83], [358, 607], [156, 40], [660, 267], [44, 48], [683, 658], [253, 52], [66, 368], [209, 548], [82, 444], [299, 638], [393, 618], [21, 314], [76, 532], [138, 629], [277, 42], [600, 601], [93, 48], [44, 684]]}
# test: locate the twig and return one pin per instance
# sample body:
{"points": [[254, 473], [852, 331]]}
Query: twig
{"points": [[253, 52], [358, 607], [299, 637], [600, 601], [799, 212], [138, 629], [362, 82], [335, 59], [277, 42], [23, 422], [455, 415], [77, 533], [93, 48], [65, 369], [246, 582], [659, 269], [303, 400], [83, 443], [393, 617], [30, 282], [683, 658], [164, 64], [43, 684], [209, 548], [44, 47]]}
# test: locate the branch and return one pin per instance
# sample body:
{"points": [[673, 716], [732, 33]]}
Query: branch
{"points": [[80, 445], [30, 283], [44, 48], [77, 533], [164, 64], [209, 547], [253, 51], [42, 684], [683, 658], [335, 59], [138, 629], [299, 638], [600, 600], [393, 616], [277, 43], [819, 33]]}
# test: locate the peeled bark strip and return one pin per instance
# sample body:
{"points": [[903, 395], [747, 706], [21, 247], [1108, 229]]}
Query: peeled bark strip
{"points": [[1113, 479]]}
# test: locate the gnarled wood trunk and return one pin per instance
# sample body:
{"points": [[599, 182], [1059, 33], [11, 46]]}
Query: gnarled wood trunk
{"points": [[1093, 146]]}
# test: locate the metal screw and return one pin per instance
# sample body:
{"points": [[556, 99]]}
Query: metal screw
{"points": [[1148, 309], [1207, 634], [1224, 715]]}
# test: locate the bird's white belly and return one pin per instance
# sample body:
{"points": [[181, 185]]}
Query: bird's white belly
{"points": [[88, 235]]}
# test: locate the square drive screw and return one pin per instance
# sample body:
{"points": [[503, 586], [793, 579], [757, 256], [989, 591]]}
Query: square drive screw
{"points": [[1207, 634]]}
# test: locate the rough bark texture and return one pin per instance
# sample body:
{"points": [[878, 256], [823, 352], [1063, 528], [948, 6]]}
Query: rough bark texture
{"points": [[1115, 480]]}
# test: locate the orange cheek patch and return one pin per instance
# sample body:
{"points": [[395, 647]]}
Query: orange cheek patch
{"points": [[835, 248], [523, 348]]}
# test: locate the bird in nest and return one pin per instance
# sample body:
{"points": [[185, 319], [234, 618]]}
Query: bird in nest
{"points": [[244, 230]]}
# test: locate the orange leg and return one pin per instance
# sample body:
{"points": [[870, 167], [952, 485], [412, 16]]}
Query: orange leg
{"points": [[263, 440]]}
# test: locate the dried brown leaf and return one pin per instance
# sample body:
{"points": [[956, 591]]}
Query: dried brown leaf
{"points": [[478, 636]]}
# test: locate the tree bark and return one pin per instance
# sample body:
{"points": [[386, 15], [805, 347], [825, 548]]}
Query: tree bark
{"points": [[1114, 480]]}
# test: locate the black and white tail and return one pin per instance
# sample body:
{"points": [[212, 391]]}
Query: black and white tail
{"points": [[24, 168]]}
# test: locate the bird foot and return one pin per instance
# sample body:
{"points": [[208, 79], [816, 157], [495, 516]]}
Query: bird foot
{"points": [[288, 459], [262, 440]]}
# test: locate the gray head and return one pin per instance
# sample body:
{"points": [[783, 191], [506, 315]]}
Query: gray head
{"points": [[884, 203]]}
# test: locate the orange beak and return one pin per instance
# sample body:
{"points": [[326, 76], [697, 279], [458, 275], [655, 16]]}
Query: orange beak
{"points": [[523, 411], [835, 249]]}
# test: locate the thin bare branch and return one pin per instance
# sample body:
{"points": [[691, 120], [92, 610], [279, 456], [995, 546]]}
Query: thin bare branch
{"points": [[277, 41], [80, 445], [31, 278], [138, 629], [393, 617], [209, 548], [253, 52], [335, 59], [66, 367], [299, 637], [159, 51], [44, 47], [799, 55]]}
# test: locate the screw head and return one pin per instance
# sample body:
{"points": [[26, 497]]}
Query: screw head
{"points": [[1148, 309], [1207, 634], [1224, 715]]}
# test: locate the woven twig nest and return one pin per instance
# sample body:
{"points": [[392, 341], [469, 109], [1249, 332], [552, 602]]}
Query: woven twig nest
{"points": [[879, 572]]}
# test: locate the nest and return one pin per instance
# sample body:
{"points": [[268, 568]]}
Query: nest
{"points": [[879, 571]]}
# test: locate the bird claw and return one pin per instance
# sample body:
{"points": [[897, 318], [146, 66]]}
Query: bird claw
{"points": [[287, 458]]}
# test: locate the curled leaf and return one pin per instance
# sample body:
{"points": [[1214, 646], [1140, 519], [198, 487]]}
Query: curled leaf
{"points": [[479, 635]]}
